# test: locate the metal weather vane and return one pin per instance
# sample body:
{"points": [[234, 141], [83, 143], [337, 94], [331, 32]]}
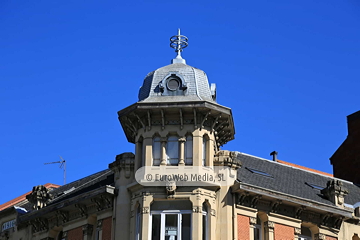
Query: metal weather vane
{"points": [[178, 42]]}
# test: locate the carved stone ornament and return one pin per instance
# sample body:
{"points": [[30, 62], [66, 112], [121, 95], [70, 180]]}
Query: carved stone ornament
{"points": [[145, 210], [227, 158], [213, 212], [197, 209], [39, 197], [252, 220], [297, 231], [88, 229], [335, 192], [320, 236], [269, 224], [99, 224], [170, 187]]}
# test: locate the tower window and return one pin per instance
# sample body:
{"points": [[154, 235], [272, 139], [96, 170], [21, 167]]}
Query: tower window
{"points": [[172, 150], [189, 150], [204, 151], [156, 151]]}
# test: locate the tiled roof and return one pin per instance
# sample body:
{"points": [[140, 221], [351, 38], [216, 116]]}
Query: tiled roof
{"points": [[23, 197], [290, 180]]}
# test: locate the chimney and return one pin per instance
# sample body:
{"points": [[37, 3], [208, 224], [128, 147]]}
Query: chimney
{"points": [[274, 154], [353, 121]]}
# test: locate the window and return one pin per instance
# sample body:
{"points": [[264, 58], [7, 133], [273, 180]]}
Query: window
{"points": [[257, 229], [258, 172], [137, 223], [204, 152], [170, 225], [156, 151], [189, 150], [172, 150], [205, 221], [314, 186]]}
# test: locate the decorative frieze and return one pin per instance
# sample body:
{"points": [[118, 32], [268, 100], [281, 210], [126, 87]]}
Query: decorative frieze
{"points": [[197, 209]]}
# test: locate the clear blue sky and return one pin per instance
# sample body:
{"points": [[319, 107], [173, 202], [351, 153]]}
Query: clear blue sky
{"points": [[288, 69]]}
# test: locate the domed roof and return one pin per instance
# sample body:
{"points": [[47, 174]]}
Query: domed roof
{"points": [[176, 82]]}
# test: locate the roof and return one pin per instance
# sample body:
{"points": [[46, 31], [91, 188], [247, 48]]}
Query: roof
{"points": [[290, 180], [195, 80], [78, 187], [23, 197]]}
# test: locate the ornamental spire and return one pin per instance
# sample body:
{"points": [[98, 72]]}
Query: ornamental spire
{"points": [[178, 42]]}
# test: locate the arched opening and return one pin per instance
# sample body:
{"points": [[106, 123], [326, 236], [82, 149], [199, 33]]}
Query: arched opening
{"points": [[305, 233], [156, 151], [172, 150]]}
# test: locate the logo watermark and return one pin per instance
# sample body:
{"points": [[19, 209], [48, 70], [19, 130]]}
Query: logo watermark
{"points": [[186, 175]]}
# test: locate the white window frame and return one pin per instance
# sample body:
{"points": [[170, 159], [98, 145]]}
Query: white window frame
{"points": [[162, 222]]}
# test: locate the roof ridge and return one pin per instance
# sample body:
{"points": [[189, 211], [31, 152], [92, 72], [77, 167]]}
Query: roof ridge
{"points": [[283, 164]]}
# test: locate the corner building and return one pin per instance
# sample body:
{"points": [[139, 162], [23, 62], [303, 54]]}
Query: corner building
{"points": [[177, 124]]}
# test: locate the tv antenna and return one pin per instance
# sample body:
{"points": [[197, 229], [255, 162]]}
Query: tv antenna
{"points": [[62, 165]]}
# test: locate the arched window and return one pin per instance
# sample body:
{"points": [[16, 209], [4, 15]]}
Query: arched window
{"points": [[156, 151], [204, 150], [189, 150], [172, 150]]}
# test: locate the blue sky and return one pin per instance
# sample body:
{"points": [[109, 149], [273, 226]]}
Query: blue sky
{"points": [[288, 69]]}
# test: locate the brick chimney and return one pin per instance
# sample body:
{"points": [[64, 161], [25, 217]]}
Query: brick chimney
{"points": [[346, 159]]}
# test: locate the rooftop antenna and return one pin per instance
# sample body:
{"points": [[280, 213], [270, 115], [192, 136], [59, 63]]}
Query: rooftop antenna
{"points": [[62, 165], [178, 42]]}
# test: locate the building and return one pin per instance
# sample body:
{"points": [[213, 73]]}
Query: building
{"points": [[179, 184]]}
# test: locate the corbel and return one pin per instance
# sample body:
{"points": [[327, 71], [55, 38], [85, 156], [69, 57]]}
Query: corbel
{"points": [[299, 212], [215, 122], [221, 124], [275, 206], [204, 119], [242, 198], [131, 125], [139, 120], [106, 200], [82, 208], [255, 200], [98, 202], [325, 219], [64, 215]]}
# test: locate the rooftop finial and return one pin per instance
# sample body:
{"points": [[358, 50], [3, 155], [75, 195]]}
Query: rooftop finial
{"points": [[178, 42]]}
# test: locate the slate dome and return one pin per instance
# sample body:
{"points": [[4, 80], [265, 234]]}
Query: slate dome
{"points": [[177, 82]]}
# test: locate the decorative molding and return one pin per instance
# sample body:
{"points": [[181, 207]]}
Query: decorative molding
{"points": [[255, 200], [63, 215], [275, 206], [299, 212], [297, 231], [252, 220], [213, 212]]}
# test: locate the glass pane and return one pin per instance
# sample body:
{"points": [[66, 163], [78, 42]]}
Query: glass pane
{"points": [[186, 226], [189, 150], [204, 152], [256, 233], [156, 151], [172, 150], [171, 227], [156, 223]]}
